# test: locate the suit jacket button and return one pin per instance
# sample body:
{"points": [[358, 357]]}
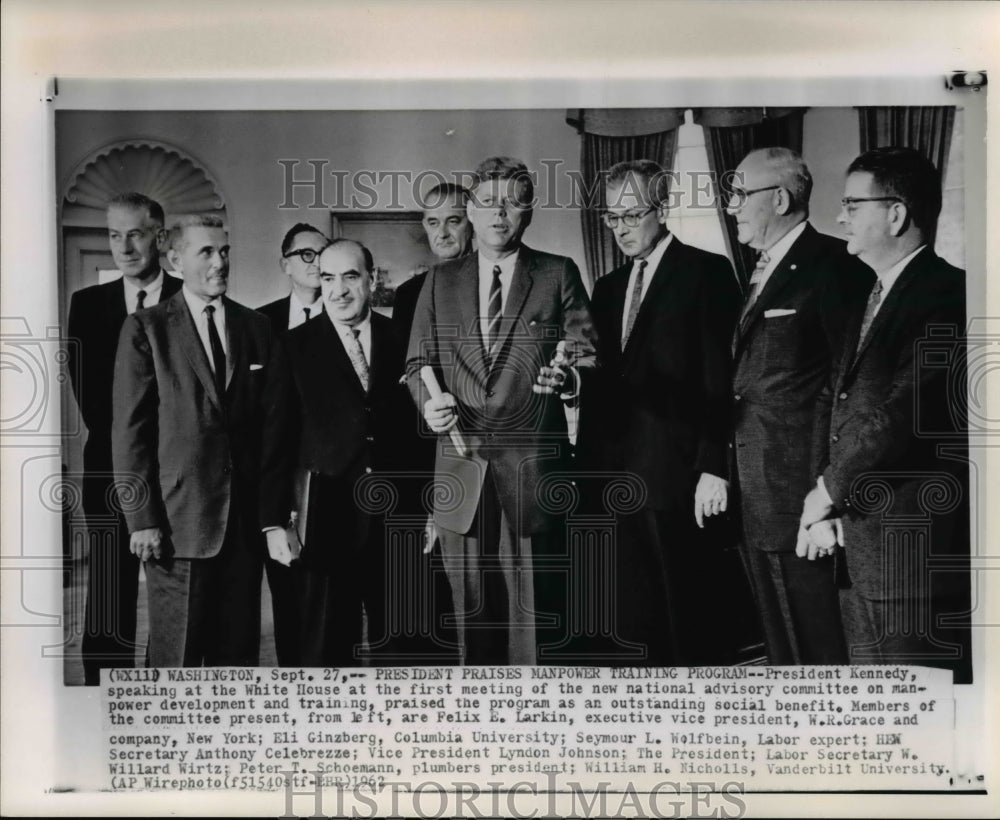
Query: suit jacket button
{"points": [[370, 438], [834, 438], [738, 397], [368, 469], [843, 396]]}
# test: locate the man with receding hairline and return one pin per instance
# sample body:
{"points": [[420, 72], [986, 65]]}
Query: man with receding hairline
{"points": [[786, 343], [136, 237], [200, 396]]}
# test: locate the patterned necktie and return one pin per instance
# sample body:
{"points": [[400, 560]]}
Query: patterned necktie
{"points": [[635, 304], [140, 300], [493, 312], [218, 354], [874, 298], [357, 356]]}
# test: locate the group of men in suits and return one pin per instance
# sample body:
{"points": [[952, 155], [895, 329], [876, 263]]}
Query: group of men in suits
{"points": [[776, 406]]}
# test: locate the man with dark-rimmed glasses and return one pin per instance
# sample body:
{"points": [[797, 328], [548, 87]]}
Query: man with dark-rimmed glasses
{"points": [[661, 416], [892, 435]]}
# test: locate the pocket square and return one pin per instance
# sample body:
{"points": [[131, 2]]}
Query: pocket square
{"points": [[256, 367], [776, 312]]}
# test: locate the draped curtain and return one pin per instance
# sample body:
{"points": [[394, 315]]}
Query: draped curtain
{"points": [[926, 128], [608, 136], [730, 134]]}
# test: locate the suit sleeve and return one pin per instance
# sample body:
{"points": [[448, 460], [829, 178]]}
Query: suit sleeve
{"points": [[423, 344], [719, 307], [135, 428], [278, 447], [578, 325]]}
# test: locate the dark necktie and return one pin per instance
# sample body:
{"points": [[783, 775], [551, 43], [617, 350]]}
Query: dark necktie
{"points": [[635, 304], [218, 354], [493, 311], [140, 300], [306, 312], [356, 353], [874, 298]]}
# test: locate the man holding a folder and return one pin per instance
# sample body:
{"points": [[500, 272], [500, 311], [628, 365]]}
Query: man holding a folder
{"points": [[488, 326]]}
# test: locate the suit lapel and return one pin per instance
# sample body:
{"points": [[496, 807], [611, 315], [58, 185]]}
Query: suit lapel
{"points": [[672, 258], [236, 342], [783, 275], [332, 342], [182, 327], [520, 287]]}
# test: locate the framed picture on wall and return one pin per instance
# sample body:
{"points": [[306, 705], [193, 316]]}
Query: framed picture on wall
{"points": [[397, 242]]}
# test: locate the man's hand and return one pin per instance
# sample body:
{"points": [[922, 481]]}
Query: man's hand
{"points": [[820, 539], [816, 507], [277, 546], [558, 377], [147, 543], [710, 497], [440, 413], [430, 534]]}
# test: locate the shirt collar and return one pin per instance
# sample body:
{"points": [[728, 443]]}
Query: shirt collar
{"points": [[197, 305], [344, 330], [778, 250], [297, 306], [150, 289], [888, 278], [507, 264], [655, 256]]}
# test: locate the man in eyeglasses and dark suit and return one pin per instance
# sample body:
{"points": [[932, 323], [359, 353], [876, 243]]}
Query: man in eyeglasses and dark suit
{"points": [[664, 321]]}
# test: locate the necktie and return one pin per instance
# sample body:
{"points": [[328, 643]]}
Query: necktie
{"points": [[635, 304], [493, 310], [305, 311], [357, 356], [874, 298], [140, 300], [754, 289], [218, 354]]}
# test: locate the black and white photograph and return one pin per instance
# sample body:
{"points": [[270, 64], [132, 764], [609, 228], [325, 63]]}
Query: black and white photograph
{"points": [[655, 410]]}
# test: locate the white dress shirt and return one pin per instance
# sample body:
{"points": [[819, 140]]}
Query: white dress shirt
{"points": [[888, 278], [507, 265], [296, 310], [777, 252], [153, 290], [197, 307], [364, 328]]}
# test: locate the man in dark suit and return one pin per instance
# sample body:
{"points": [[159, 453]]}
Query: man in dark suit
{"points": [[96, 313], [363, 514], [449, 234], [200, 395], [300, 263], [300, 250], [789, 335], [488, 326], [893, 440], [664, 322]]}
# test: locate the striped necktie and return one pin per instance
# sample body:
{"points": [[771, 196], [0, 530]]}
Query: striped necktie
{"points": [[635, 304], [493, 313], [874, 298], [357, 355]]}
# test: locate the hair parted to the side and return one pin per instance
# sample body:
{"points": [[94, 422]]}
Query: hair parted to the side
{"points": [[907, 174], [509, 168], [790, 172], [295, 230], [180, 226], [139, 202], [641, 177]]}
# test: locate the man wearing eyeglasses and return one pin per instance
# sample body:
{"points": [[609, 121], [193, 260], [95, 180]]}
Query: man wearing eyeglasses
{"points": [[664, 321], [299, 261], [789, 336], [488, 325], [892, 435], [300, 250]]}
